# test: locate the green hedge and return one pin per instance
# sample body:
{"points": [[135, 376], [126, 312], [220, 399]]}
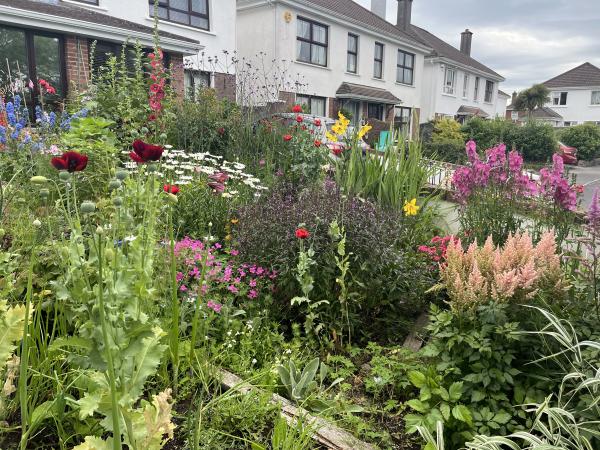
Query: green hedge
{"points": [[585, 138]]}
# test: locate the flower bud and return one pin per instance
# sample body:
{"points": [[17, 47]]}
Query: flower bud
{"points": [[64, 176], [99, 230], [44, 193], [117, 201], [114, 184], [109, 253], [64, 253], [37, 223], [171, 198], [40, 180], [121, 174], [88, 207], [151, 168]]}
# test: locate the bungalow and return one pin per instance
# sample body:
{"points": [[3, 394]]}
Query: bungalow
{"points": [[52, 40]]}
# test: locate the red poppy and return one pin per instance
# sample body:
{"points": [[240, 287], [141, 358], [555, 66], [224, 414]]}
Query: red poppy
{"points": [[219, 177], [297, 109], [171, 189], [337, 151], [144, 153], [317, 122], [299, 119], [70, 161], [317, 143], [287, 137], [302, 233]]}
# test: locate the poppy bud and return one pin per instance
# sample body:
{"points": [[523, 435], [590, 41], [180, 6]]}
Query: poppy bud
{"points": [[37, 223], [151, 168], [64, 176], [172, 198], [117, 201], [109, 253], [99, 230], [114, 184], [44, 193], [121, 174], [39, 180], [88, 207], [64, 253]]}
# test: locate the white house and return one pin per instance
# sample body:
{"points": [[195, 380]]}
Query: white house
{"points": [[502, 103], [348, 56], [353, 58], [575, 95], [210, 22]]}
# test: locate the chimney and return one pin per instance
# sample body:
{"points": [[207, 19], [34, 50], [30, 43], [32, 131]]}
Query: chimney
{"points": [[379, 7], [404, 14], [466, 37], [514, 97]]}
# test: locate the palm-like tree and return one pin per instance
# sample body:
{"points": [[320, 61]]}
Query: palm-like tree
{"points": [[533, 98]]}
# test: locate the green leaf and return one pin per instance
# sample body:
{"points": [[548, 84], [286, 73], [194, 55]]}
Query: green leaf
{"points": [[95, 443], [445, 409], [455, 391], [418, 379], [39, 414], [11, 330], [418, 405], [477, 396], [462, 413], [89, 404], [502, 417]]}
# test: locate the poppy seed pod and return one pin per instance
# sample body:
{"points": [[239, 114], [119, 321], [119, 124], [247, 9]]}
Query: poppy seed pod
{"points": [[64, 176], [117, 201], [40, 180], [114, 184], [121, 175], [99, 230], [88, 207]]}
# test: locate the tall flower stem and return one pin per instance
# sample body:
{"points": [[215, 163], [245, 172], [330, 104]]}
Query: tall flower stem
{"points": [[108, 351], [174, 338], [196, 319]]}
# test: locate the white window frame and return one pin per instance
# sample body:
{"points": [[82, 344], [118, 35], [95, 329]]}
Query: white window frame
{"points": [[595, 100], [490, 92], [449, 81], [476, 91], [557, 98], [466, 80]]}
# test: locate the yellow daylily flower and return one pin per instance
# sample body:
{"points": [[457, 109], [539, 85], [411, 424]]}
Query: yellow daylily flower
{"points": [[235, 221], [411, 208], [331, 137], [364, 130]]}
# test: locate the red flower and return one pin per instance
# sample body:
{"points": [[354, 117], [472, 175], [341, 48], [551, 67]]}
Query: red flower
{"points": [[299, 119], [70, 161], [287, 137], [297, 109], [304, 128], [579, 188], [221, 131], [337, 151], [302, 233], [152, 117], [171, 189], [317, 143], [156, 88], [317, 122], [50, 90], [144, 153], [219, 188], [219, 177]]}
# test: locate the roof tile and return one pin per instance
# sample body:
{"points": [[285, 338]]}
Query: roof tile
{"points": [[585, 75]]}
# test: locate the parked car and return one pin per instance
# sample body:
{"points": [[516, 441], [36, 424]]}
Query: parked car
{"points": [[569, 154], [321, 125]]}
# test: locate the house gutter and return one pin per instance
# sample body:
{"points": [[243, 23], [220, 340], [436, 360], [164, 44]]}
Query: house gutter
{"points": [[34, 19]]}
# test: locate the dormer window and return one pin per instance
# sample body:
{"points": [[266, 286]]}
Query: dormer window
{"points": [[559, 98], [193, 13]]}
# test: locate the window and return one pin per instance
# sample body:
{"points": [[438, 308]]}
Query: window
{"points": [[476, 93], [570, 124], [89, 2], [352, 63], [313, 105], [375, 111], [186, 12], [194, 80], [489, 91], [449, 77], [103, 51], [466, 86], [30, 55], [402, 118], [352, 111], [514, 115], [378, 62], [312, 42], [595, 97], [559, 98], [405, 67]]}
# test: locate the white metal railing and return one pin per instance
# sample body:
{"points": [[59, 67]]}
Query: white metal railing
{"points": [[441, 173]]}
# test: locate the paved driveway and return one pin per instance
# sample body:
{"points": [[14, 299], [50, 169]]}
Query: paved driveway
{"points": [[590, 178]]}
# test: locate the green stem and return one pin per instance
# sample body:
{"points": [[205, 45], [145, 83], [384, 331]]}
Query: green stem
{"points": [[108, 351], [174, 339], [198, 298]]}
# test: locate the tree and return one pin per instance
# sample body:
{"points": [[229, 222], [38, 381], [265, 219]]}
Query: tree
{"points": [[534, 97]]}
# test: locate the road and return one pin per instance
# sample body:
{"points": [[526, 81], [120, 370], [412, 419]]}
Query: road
{"points": [[590, 178]]}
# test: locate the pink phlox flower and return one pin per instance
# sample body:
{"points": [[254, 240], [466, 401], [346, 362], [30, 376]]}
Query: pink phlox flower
{"points": [[252, 293], [231, 288], [179, 276], [252, 283]]}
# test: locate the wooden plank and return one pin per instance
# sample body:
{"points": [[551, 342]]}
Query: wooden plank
{"points": [[413, 341], [326, 434]]}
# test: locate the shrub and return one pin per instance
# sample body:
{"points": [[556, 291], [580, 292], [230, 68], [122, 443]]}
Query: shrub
{"points": [[586, 138], [447, 141], [514, 273], [388, 277]]}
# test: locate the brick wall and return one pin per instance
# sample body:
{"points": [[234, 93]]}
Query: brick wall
{"points": [[224, 85], [177, 74], [288, 98], [77, 62]]}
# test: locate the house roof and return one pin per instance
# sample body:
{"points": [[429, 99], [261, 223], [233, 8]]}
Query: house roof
{"points": [[472, 111], [361, 92], [501, 92], [353, 10], [78, 14], [585, 75], [444, 50], [545, 113]]}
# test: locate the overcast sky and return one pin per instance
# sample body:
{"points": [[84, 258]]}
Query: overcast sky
{"points": [[526, 41]]}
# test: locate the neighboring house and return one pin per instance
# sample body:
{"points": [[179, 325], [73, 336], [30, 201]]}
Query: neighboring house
{"points": [[575, 95], [502, 103], [543, 114], [354, 59], [349, 57], [211, 22]]}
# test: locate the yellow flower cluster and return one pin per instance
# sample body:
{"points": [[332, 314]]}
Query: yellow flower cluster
{"points": [[364, 130], [339, 128]]}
